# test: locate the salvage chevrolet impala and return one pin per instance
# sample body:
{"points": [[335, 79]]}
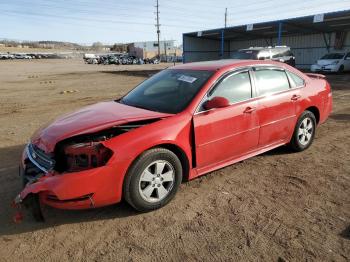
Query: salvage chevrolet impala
{"points": [[181, 123]]}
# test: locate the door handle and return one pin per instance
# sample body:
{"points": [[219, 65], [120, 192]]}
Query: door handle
{"points": [[249, 110], [295, 97]]}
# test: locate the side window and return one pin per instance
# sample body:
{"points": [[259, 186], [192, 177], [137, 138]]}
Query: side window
{"points": [[347, 56], [235, 88], [297, 81], [271, 81]]}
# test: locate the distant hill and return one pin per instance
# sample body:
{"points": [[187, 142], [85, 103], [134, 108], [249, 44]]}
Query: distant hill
{"points": [[42, 44]]}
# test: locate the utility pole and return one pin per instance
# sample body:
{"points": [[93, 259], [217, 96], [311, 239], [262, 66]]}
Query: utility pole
{"points": [[165, 49], [225, 17], [158, 25]]}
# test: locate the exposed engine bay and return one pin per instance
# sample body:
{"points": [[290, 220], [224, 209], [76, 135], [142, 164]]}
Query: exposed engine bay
{"points": [[78, 153], [86, 151]]}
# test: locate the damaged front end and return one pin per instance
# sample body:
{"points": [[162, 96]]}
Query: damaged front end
{"points": [[61, 178], [35, 165]]}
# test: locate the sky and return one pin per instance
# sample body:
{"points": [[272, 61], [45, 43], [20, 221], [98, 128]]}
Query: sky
{"points": [[123, 21]]}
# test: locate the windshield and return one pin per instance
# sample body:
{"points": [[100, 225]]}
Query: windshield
{"points": [[333, 56], [245, 54], [169, 91]]}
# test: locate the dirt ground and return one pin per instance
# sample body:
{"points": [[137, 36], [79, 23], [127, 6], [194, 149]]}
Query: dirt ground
{"points": [[279, 206]]}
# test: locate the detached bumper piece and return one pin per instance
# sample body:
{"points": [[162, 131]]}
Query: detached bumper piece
{"points": [[31, 202]]}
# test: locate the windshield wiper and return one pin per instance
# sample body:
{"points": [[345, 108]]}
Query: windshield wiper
{"points": [[142, 107], [137, 106]]}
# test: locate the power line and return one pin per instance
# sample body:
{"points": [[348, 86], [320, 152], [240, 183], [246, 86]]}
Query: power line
{"points": [[177, 14], [95, 12], [26, 13], [79, 7], [77, 23], [106, 12]]}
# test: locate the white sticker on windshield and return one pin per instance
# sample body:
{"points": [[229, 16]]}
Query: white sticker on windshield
{"points": [[188, 79]]}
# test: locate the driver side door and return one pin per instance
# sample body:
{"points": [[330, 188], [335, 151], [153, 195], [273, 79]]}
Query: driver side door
{"points": [[223, 134]]}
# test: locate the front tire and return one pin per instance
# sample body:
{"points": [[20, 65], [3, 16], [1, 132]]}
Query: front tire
{"points": [[304, 132], [341, 69], [153, 179]]}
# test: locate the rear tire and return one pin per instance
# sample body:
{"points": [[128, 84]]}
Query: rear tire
{"points": [[304, 132], [152, 180]]}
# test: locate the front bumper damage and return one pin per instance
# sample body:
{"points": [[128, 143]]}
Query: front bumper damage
{"points": [[71, 164], [31, 169], [43, 186]]}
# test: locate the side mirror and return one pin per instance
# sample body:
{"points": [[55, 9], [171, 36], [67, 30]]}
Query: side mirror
{"points": [[216, 102]]}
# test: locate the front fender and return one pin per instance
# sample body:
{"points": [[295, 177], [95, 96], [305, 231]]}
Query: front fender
{"points": [[175, 130]]}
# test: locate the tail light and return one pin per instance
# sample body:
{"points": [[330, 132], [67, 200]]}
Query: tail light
{"points": [[84, 156]]}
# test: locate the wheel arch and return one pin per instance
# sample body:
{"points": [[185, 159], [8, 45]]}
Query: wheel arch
{"points": [[315, 111], [180, 153], [177, 150]]}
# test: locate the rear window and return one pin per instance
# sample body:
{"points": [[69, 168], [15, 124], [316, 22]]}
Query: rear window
{"points": [[271, 81], [297, 81]]}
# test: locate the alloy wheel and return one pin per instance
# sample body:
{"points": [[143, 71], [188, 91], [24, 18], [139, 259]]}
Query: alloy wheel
{"points": [[156, 181], [305, 131]]}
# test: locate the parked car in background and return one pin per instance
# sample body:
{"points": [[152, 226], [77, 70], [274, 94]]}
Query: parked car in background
{"points": [[117, 59], [278, 53], [89, 56], [5, 56], [22, 56], [181, 123], [18, 56], [92, 61], [332, 62]]}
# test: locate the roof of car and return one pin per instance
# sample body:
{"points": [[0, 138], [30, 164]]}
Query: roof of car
{"points": [[258, 48], [225, 64]]}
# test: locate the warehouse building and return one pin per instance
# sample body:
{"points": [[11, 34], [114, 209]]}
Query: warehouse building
{"points": [[309, 37]]}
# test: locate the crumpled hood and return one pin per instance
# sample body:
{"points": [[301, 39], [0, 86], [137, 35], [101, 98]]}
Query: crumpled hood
{"points": [[326, 61], [88, 120]]}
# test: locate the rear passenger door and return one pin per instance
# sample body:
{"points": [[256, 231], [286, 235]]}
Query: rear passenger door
{"points": [[276, 105]]}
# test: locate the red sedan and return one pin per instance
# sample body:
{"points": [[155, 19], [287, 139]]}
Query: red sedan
{"points": [[179, 124]]}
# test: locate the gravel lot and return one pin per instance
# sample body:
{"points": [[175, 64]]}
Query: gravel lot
{"points": [[279, 206]]}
